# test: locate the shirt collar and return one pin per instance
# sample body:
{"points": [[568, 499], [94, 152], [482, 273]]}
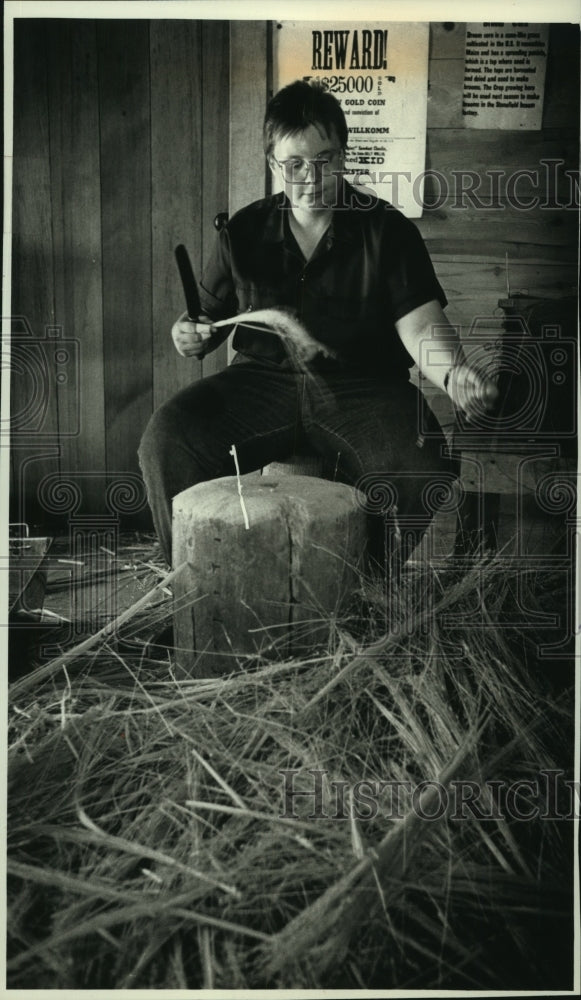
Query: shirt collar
{"points": [[345, 223]]}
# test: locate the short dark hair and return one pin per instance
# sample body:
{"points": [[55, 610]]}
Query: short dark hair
{"points": [[299, 105]]}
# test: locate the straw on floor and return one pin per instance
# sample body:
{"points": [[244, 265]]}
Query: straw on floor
{"points": [[151, 843]]}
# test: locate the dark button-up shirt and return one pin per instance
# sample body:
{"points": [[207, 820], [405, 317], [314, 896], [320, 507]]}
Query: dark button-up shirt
{"points": [[370, 269]]}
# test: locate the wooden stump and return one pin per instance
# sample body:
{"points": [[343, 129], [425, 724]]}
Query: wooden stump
{"points": [[273, 588], [302, 463]]}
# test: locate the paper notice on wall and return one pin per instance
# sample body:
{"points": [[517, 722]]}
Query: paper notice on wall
{"points": [[379, 74], [504, 75]]}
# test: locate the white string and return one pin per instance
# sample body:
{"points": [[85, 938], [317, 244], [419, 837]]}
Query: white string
{"points": [[242, 504]]}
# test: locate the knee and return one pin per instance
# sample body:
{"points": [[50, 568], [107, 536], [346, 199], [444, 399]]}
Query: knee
{"points": [[159, 433]]}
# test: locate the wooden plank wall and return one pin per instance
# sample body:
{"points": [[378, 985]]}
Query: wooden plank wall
{"points": [[75, 208], [120, 152], [123, 148], [250, 76], [468, 244], [34, 449]]}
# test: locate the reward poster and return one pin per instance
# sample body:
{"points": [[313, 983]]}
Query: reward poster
{"points": [[379, 74]]}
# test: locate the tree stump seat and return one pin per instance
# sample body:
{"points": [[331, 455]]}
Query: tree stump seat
{"points": [[271, 588]]}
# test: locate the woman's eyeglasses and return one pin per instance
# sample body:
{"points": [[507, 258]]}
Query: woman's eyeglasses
{"points": [[296, 168]]}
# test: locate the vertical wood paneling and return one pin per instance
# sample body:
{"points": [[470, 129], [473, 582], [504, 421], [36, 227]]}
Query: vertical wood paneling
{"points": [[447, 39], [249, 92], [126, 228], [248, 96], [215, 152], [33, 396], [561, 104], [76, 227], [109, 178], [177, 203]]}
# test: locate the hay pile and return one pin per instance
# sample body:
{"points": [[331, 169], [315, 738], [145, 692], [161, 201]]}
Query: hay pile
{"points": [[150, 846]]}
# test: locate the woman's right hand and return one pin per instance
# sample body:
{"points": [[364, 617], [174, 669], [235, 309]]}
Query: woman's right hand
{"points": [[191, 337], [471, 391]]}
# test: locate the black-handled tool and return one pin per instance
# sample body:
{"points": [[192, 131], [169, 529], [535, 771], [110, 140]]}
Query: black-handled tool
{"points": [[190, 286]]}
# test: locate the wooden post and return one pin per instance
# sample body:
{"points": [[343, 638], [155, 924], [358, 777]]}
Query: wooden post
{"points": [[269, 589]]}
